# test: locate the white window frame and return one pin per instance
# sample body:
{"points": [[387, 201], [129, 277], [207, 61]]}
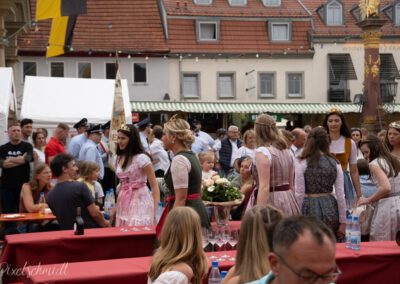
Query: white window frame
{"points": [[265, 95], [295, 96], [226, 73], [105, 69], [191, 96], [267, 3], [198, 25], [244, 3], [202, 2], [271, 26], [23, 71], [77, 68], [331, 9], [133, 73], [397, 14], [50, 73]]}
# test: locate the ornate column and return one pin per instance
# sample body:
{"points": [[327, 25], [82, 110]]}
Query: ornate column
{"points": [[372, 111]]}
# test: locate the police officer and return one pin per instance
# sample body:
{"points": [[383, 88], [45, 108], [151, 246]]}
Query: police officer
{"points": [[77, 141], [144, 127], [89, 151]]}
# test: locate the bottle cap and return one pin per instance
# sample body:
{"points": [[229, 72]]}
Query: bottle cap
{"points": [[355, 218], [215, 264], [223, 273], [160, 203], [42, 194], [349, 217]]}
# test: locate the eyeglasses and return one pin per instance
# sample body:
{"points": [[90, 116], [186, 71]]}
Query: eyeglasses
{"points": [[312, 277]]}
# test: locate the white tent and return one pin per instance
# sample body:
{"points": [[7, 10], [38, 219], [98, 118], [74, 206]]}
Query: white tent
{"points": [[49, 100], [8, 100]]}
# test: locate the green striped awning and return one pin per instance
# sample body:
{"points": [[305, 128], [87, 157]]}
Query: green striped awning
{"points": [[221, 107]]}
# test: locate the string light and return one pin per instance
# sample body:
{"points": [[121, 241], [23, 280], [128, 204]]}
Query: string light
{"points": [[129, 56], [197, 59], [146, 58], [257, 55]]}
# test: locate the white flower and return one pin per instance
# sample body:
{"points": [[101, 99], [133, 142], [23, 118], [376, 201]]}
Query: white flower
{"points": [[210, 188], [222, 181], [214, 178], [208, 182]]}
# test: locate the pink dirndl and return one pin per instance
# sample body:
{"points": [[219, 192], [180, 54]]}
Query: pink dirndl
{"points": [[135, 206]]}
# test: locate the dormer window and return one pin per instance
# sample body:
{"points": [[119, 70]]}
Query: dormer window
{"points": [[334, 13], [355, 11], [271, 3], [397, 14], [207, 31], [237, 2], [202, 2]]}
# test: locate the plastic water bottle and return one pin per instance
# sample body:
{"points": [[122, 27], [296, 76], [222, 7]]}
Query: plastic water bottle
{"points": [[107, 204], [349, 228], [355, 235], [223, 274], [42, 204], [159, 212], [215, 276], [112, 200]]}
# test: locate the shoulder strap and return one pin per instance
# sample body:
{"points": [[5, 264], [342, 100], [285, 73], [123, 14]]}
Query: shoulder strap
{"points": [[347, 148]]}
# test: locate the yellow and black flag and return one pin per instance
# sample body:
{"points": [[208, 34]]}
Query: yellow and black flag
{"points": [[64, 14]]}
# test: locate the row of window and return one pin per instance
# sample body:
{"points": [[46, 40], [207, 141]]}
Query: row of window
{"points": [[332, 13], [267, 3], [209, 31], [226, 85], [84, 70]]}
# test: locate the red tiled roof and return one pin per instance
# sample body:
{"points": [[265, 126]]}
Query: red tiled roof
{"points": [[235, 37], [221, 8], [349, 28], [136, 26]]}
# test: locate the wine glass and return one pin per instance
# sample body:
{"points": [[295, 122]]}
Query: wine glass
{"points": [[205, 238], [225, 234], [212, 238], [234, 238]]}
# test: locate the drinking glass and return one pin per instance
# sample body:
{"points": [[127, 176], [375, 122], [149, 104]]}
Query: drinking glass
{"points": [[234, 238], [212, 238], [225, 236], [205, 237]]}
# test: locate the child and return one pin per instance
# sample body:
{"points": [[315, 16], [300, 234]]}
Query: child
{"points": [[88, 174], [207, 160]]}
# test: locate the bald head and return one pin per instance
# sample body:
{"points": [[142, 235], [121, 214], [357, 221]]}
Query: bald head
{"points": [[300, 137]]}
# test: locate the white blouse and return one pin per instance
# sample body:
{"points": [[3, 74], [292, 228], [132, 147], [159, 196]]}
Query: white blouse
{"points": [[170, 277]]}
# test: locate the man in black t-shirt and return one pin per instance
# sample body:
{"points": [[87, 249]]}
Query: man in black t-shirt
{"points": [[69, 194], [15, 157]]}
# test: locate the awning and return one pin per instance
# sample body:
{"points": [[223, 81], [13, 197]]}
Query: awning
{"points": [[341, 67], [222, 107], [388, 70]]}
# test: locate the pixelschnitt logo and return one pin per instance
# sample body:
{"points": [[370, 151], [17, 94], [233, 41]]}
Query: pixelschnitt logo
{"points": [[33, 269]]}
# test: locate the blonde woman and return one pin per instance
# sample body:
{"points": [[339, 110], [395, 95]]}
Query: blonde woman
{"points": [[274, 168], [180, 259], [255, 243], [248, 149], [183, 178]]}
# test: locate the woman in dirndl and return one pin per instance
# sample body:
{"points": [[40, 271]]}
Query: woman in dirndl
{"points": [[183, 178], [345, 150], [274, 169], [384, 168]]}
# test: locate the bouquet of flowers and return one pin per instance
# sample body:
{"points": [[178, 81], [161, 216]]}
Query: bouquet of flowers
{"points": [[217, 190]]}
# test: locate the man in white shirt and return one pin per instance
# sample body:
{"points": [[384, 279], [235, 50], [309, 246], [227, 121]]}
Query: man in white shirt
{"points": [[205, 136], [297, 145]]}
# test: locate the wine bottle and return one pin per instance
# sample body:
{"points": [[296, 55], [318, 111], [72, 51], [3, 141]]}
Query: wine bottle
{"points": [[78, 224]]}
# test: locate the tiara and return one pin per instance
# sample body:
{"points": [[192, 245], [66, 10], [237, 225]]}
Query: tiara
{"points": [[125, 128], [334, 109], [395, 124]]}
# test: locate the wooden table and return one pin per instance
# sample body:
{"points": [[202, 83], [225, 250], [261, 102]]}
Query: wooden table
{"points": [[27, 217]]}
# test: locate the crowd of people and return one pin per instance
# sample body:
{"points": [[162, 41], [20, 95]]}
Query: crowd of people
{"points": [[323, 172]]}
